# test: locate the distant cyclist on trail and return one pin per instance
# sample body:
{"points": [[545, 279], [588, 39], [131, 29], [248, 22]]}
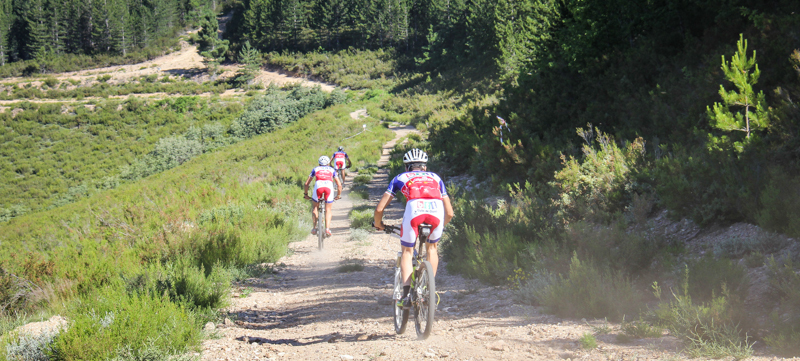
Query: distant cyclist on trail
{"points": [[339, 160], [323, 191], [427, 203]]}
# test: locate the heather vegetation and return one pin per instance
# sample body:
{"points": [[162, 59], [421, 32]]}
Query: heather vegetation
{"points": [[165, 249]]}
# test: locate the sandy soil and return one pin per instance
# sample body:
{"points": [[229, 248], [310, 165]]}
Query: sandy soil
{"points": [[185, 62]]}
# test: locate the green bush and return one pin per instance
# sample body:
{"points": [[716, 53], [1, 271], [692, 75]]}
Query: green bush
{"points": [[614, 246], [589, 291], [709, 276], [784, 281], [639, 329], [601, 183], [361, 217], [27, 347], [707, 329], [277, 108], [358, 234], [780, 204], [362, 179], [588, 341], [110, 319]]}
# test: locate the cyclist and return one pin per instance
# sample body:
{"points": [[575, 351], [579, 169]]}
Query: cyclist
{"points": [[339, 160], [427, 203], [323, 191]]}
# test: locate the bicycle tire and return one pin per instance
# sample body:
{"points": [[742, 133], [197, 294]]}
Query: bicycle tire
{"points": [[320, 226], [400, 315], [425, 300]]}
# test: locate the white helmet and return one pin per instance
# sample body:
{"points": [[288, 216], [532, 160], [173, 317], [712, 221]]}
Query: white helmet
{"points": [[324, 160], [415, 156]]}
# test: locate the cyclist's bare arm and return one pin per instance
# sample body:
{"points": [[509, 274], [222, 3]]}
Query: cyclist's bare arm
{"points": [[305, 187], [378, 218], [448, 210]]}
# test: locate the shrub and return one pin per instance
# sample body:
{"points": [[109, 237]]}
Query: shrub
{"points": [[276, 109], [613, 246], [110, 319], [709, 276], [639, 329], [362, 179], [707, 329], [231, 213], [350, 267], [784, 280], [600, 184], [31, 347], [780, 204], [589, 291], [361, 217], [533, 288], [588, 341], [358, 234]]}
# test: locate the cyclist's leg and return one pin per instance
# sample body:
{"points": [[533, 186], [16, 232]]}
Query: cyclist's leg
{"points": [[314, 206], [408, 239], [432, 255], [328, 215]]}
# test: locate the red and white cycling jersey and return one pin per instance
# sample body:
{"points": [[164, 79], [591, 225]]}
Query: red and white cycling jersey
{"points": [[339, 160], [424, 192], [323, 187], [415, 185]]}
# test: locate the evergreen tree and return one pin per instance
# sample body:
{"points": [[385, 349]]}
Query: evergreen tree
{"points": [[6, 21], [293, 15], [211, 47], [521, 29], [250, 57], [753, 114]]}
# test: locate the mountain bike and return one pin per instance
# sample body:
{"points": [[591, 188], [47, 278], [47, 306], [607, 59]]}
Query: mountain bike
{"points": [[321, 234], [423, 287]]}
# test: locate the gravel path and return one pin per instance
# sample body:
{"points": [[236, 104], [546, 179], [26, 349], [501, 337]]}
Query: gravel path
{"points": [[310, 311]]}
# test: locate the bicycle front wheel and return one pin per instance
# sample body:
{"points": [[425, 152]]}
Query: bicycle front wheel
{"points": [[425, 300], [400, 314], [321, 226]]}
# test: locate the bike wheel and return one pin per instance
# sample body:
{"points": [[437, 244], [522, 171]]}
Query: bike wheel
{"points": [[321, 226], [400, 315], [425, 300]]}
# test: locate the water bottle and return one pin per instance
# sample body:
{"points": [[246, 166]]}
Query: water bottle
{"points": [[398, 284]]}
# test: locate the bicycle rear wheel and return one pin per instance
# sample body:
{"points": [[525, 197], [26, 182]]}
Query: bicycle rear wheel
{"points": [[321, 226], [425, 300]]}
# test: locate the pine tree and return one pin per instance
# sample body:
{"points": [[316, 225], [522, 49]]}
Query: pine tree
{"points": [[211, 47], [753, 114], [6, 20], [521, 28], [250, 57]]}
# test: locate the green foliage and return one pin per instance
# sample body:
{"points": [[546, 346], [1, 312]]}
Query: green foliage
{"points": [[601, 184], [640, 328], [588, 341], [358, 234], [590, 291], [54, 154], [351, 68], [110, 319], [707, 329], [33, 348], [709, 276], [738, 72], [251, 58], [350, 267], [361, 217], [785, 284], [276, 109], [780, 201]]}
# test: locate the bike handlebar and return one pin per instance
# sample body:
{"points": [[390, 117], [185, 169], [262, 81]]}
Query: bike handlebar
{"points": [[389, 229]]}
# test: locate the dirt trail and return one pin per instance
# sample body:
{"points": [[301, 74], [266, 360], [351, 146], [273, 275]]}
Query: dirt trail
{"points": [[309, 311], [185, 62]]}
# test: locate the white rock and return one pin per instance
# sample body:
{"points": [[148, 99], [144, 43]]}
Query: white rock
{"points": [[346, 357]]}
